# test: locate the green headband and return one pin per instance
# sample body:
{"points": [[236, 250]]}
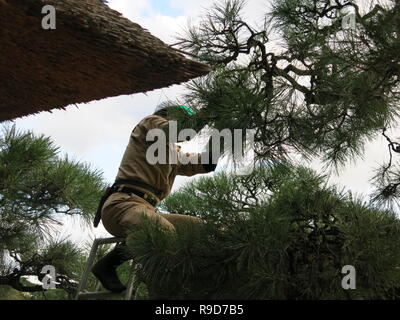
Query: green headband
{"points": [[187, 109]]}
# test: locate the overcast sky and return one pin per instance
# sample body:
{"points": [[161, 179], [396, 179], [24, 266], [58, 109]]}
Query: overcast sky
{"points": [[98, 132]]}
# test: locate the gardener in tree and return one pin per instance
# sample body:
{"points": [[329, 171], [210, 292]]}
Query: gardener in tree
{"points": [[140, 186]]}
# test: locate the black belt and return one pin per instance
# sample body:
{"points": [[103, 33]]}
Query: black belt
{"points": [[142, 195], [142, 185], [117, 187]]}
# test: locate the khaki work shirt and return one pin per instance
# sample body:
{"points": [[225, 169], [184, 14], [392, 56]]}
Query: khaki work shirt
{"points": [[134, 164]]}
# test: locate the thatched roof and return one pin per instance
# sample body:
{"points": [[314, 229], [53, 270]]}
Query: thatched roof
{"points": [[94, 53]]}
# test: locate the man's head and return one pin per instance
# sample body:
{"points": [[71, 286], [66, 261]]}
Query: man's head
{"points": [[170, 111]]}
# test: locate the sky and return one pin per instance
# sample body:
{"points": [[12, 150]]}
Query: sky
{"points": [[98, 132]]}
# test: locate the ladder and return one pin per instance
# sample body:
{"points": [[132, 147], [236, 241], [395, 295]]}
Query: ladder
{"points": [[82, 294]]}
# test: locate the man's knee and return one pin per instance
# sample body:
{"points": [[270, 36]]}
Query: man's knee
{"points": [[182, 220], [136, 219]]}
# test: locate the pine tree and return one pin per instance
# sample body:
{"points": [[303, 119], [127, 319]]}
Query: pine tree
{"points": [[279, 233], [37, 188], [306, 81]]}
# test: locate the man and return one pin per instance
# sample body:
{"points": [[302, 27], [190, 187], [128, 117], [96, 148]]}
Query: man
{"points": [[140, 186]]}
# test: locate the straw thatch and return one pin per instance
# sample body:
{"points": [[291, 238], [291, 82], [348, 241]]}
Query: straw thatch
{"points": [[94, 53]]}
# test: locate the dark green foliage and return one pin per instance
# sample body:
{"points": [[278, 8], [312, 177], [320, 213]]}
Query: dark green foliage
{"points": [[38, 188], [279, 233], [8, 293], [36, 185], [320, 90]]}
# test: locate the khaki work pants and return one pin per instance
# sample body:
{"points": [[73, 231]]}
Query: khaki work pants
{"points": [[122, 211]]}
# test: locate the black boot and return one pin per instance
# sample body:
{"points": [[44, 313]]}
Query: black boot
{"points": [[105, 269]]}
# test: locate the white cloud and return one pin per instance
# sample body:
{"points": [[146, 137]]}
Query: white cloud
{"points": [[164, 27], [131, 9], [356, 176], [159, 25]]}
